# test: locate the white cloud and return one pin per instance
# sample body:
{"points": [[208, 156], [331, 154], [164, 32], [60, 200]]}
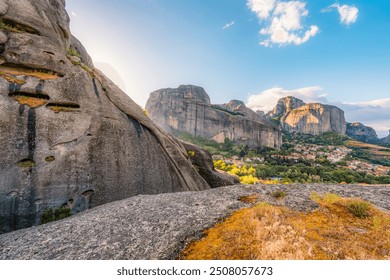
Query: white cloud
{"points": [[348, 14], [74, 14], [283, 20], [227, 25], [262, 8], [376, 103], [267, 100]]}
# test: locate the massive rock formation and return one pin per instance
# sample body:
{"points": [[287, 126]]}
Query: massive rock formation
{"points": [[360, 132], [313, 118], [285, 105], [69, 136], [188, 108]]}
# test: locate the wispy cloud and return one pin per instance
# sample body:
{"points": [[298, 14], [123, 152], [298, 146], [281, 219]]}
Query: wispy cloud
{"points": [[374, 113], [228, 25], [348, 13], [267, 99], [74, 14], [283, 21]]}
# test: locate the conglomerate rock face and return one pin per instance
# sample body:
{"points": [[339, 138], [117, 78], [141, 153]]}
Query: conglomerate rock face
{"points": [[188, 109], [313, 118], [69, 136]]}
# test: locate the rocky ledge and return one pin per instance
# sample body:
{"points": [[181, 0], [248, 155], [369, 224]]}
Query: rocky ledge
{"points": [[159, 226]]}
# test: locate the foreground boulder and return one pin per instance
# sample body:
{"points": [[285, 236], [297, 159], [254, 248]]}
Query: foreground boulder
{"points": [[159, 226], [69, 136], [188, 109], [203, 163]]}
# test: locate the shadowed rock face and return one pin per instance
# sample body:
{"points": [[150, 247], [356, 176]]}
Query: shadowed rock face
{"points": [[203, 163], [361, 132], [385, 140], [188, 109], [69, 135]]}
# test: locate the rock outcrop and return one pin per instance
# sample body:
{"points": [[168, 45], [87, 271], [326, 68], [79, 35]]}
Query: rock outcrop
{"points": [[151, 227], [285, 105], [69, 136], [360, 132], [203, 163], [385, 140], [313, 118], [188, 108]]}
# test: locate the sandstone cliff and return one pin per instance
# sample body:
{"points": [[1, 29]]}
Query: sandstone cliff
{"points": [[68, 135], [188, 108], [313, 118], [360, 132], [286, 105]]}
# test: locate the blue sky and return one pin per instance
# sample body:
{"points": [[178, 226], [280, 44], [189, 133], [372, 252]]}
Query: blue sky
{"points": [[335, 52]]}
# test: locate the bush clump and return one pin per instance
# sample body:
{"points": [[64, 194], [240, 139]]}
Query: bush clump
{"points": [[58, 214], [279, 194], [359, 209]]}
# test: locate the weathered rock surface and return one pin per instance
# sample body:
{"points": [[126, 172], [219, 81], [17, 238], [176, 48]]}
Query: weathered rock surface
{"points": [[203, 163], [158, 226], [360, 132], [70, 136], [385, 140], [313, 118], [188, 108], [286, 105]]}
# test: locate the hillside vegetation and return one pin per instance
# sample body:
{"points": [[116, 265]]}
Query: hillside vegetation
{"points": [[325, 158]]}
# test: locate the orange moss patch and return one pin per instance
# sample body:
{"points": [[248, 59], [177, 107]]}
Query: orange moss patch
{"points": [[34, 101], [249, 199], [63, 107], [26, 163], [37, 73], [12, 79], [270, 232]]}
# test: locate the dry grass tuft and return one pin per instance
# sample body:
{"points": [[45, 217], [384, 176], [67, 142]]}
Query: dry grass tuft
{"points": [[249, 199], [56, 108], [279, 194], [270, 232]]}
